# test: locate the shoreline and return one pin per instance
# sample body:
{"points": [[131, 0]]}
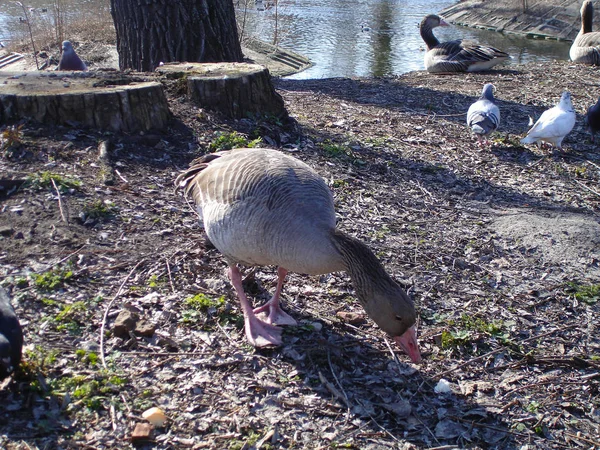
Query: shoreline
{"points": [[551, 19]]}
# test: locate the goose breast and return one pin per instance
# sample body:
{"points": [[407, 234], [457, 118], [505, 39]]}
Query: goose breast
{"points": [[277, 212]]}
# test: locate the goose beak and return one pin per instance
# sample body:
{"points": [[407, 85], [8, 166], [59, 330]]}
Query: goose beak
{"points": [[443, 23], [408, 342]]}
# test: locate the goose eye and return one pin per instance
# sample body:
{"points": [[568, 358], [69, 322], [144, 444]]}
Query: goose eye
{"points": [[399, 318]]}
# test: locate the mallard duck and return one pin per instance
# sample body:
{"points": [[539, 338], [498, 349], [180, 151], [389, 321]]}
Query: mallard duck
{"points": [[458, 55], [553, 125], [263, 207], [586, 46], [483, 116]]}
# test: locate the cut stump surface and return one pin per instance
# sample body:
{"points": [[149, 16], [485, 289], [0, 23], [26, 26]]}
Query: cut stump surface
{"points": [[236, 90], [97, 100]]}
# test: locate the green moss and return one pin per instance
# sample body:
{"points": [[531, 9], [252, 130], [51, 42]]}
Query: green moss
{"points": [[587, 293], [43, 180], [52, 279], [227, 141], [201, 302], [99, 209]]}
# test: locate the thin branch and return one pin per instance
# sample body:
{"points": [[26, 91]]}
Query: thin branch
{"points": [[62, 213], [108, 309]]}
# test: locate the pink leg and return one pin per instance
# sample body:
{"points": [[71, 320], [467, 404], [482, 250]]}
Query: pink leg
{"points": [[271, 312], [258, 332]]}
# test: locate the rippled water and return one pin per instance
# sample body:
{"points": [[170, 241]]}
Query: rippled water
{"points": [[341, 37], [372, 37]]}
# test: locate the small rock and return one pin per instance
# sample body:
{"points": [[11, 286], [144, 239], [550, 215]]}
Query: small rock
{"points": [[350, 317], [125, 322], [142, 432], [443, 387], [144, 328], [6, 231]]}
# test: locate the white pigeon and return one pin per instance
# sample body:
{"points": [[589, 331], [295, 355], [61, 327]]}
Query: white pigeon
{"points": [[553, 125], [483, 116]]}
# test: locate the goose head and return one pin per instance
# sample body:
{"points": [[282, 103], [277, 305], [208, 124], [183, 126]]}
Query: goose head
{"points": [[393, 311], [432, 21]]}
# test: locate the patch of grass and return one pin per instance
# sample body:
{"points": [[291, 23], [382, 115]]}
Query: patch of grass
{"points": [[227, 141], [155, 282], [587, 293], [99, 209], [53, 279], [468, 328], [88, 358], [334, 150], [11, 139], [94, 392], [43, 180], [202, 302], [200, 306]]}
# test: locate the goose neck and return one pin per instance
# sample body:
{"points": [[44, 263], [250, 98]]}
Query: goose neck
{"points": [[587, 17], [427, 35], [362, 265]]}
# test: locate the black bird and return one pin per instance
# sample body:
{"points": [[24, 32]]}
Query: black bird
{"points": [[11, 337], [593, 118]]}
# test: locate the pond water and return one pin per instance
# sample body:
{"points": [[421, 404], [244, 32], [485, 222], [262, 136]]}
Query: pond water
{"points": [[371, 37], [341, 37]]}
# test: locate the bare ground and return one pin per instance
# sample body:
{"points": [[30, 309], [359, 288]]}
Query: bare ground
{"points": [[497, 245]]}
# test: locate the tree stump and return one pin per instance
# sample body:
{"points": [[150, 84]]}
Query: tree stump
{"points": [[98, 100], [235, 90]]}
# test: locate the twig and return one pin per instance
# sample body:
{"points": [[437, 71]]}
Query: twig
{"points": [[170, 277], [225, 333], [498, 350], [62, 214], [592, 163], [589, 441], [331, 388], [108, 309], [593, 191], [338, 383], [30, 33], [168, 354], [490, 427]]}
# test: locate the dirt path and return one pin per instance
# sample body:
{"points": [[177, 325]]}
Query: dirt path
{"points": [[498, 246]]}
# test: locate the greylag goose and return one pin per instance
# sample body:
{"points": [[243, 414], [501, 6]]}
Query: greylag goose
{"points": [[262, 207], [458, 55], [11, 337], [69, 59], [483, 116], [586, 46], [593, 119], [554, 124]]}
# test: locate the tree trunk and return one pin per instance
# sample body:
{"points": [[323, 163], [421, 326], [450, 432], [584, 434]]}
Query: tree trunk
{"points": [[153, 31], [236, 90], [92, 99]]}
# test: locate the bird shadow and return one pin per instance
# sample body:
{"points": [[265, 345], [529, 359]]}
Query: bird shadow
{"points": [[349, 368]]}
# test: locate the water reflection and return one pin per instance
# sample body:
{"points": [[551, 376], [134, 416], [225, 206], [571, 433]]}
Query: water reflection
{"points": [[342, 37], [375, 37]]}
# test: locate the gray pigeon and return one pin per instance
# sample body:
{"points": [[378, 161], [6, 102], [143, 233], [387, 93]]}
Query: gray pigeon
{"points": [[11, 337], [483, 116], [69, 59]]}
